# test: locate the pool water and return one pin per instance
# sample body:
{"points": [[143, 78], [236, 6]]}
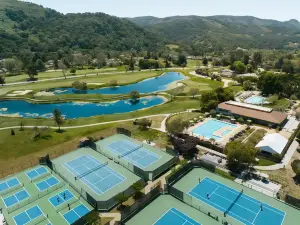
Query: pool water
{"points": [[150, 85], [255, 100], [207, 129], [72, 110]]}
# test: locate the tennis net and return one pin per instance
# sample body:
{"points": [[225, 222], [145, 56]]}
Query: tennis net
{"points": [[130, 151], [90, 171], [233, 203]]}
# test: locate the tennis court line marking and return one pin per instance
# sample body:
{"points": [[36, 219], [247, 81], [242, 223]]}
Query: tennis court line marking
{"points": [[215, 205], [73, 196], [204, 201], [45, 180], [73, 211], [170, 210], [256, 216], [245, 196], [148, 152], [214, 191], [29, 216], [37, 173], [23, 189], [9, 179], [70, 169]]}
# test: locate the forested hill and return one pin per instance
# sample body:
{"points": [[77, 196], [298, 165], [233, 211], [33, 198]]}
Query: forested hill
{"points": [[26, 26], [219, 33]]}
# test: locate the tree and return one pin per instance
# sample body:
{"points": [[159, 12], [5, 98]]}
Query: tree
{"points": [[176, 126], [32, 71], [240, 156], [10, 65], [247, 85], [61, 65], [239, 67], [73, 71], [39, 65], [137, 186], [293, 97], [175, 91], [194, 91], [12, 132], [246, 59], [113, 83], [82, 86], [288, 67], [2, 80], [167, 63], [144, 123], [56, 64], [181, 60], [58, 118], [131, 64], [134, 95], [205, 61], [121, 198], [186, 145], [298, 115], [273, 99], [257, 58]]}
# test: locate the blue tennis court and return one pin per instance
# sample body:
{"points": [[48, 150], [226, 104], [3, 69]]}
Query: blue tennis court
{"points": [[28, 215], [9, 184], [236, 204], [36, 173], [61, 198], [134, 153], [96, 175], [76, 213], [47, 183], [175, 217], [16, 198]]}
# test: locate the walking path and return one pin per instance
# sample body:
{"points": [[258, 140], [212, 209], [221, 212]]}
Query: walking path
{"points": [[290, 152], [87, 125]]}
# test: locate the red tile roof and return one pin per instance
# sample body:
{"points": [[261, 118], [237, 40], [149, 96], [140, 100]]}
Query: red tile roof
{"points": [[273, 116]]}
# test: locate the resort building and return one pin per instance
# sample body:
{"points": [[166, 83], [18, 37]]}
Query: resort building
{"points": [[272, 143], [257, 114]]}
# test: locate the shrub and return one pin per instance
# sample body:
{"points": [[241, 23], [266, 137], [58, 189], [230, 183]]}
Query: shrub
{"points": [[73, 71], [296, 166]]}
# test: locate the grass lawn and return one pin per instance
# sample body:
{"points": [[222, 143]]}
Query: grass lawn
{"points": [[225, 175], [245, 135], [184, 116], [202, 84], [178, 105], [194, 63], [265, 162], [281, 103], [55, 74], [123, 78], [256, 137], [23, 149]]}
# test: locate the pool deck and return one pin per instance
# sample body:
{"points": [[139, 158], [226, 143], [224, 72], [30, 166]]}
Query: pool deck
{"points": [[223, 139]]}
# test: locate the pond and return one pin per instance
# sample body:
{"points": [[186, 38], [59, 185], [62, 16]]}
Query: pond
{"points": [[160, 83], [72, 110]]}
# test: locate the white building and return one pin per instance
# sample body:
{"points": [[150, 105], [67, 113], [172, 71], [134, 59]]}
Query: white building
{"points": [[272, 143]]}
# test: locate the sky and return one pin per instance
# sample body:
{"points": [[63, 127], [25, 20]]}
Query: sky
{"points": [[266, 9]]}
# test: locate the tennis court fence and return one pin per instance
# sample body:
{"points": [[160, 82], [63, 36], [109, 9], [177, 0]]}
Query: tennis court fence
{"points": [[196, 204], [35, 197], [132, 210]]}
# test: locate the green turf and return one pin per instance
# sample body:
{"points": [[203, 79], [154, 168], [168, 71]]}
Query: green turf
{"points": [[41, 199], [190, 180]]}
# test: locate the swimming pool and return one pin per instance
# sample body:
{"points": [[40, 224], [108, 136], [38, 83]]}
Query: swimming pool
{"points": [[73, 110], [215, 129], [150, 85], [255, 100]]}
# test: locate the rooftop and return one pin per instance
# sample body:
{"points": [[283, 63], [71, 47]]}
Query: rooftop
{"points": [[273, 143], [252, 111]]}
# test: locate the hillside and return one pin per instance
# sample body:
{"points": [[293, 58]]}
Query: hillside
{"points": [[27, 26], [219, 33]]}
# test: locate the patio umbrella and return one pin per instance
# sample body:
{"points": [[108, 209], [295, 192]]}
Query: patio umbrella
{"points": [[200, 117], [191, 121], [195, 119]]}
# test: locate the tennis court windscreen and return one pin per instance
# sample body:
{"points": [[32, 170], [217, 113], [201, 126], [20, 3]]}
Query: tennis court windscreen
{"points": [[130, 151], [90, 171]]}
